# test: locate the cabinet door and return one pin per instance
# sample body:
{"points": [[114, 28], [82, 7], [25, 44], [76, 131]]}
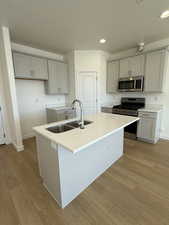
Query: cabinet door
{"points": [[137, 65], [112, 76], [39, 68], [22, 65], [146, 128], [124, 68], [58, 78], [30, 67], [154, 71]]}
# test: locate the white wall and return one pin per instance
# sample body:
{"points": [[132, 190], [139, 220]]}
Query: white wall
{"points": [[155, 99], [32, 103], [94, 61], [31, 96], [9, 100]]}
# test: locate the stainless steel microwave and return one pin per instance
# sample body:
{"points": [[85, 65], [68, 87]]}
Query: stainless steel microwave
{"points": [[131, 84]]}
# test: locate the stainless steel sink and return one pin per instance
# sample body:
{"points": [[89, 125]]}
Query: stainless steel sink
{"points": [[77, 123], [67, 126], [60, 128]]}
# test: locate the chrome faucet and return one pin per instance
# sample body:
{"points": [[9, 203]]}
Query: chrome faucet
{"points": [[81, 112]]}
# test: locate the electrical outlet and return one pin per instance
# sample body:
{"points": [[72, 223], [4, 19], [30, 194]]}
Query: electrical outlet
{"points": [[156, 98], [37, 100]]}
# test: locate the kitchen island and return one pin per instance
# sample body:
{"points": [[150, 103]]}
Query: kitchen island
{"points": [[70, 161]]}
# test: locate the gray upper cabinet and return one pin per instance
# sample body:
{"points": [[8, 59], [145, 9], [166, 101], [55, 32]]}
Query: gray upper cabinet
{"points": [[124, 68], [137, 64], [39, 68], [30, 67], [112, 76], [154, 71], [132, 66], [58, 78]]}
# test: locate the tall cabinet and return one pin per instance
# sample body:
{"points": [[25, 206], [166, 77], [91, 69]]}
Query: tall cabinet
{"points": [[58, 78], [155, 71], [112, 76]]}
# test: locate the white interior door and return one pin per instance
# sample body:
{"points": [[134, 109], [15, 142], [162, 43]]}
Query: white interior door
{"points": [[2, 138], [87, 91]]}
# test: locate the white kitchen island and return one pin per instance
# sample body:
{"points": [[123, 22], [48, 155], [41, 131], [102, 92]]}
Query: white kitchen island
{"points": [[70, 161]]}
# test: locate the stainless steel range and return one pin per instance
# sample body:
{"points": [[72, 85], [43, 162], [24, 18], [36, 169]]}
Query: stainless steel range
{"points": [[129, 107]]}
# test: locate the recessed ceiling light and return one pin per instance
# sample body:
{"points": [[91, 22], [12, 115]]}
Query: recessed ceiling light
{"points": [[102, 41], [139, 2], [165, 14]]}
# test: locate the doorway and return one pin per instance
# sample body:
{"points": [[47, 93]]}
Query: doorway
{"points": [[2, 133], [87, 91]]}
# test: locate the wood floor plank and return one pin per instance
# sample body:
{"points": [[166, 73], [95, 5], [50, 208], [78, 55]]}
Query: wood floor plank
{"points": [[134, 191]]}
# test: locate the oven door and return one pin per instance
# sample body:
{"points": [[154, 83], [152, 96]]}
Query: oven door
{"points": [[126, 85]]}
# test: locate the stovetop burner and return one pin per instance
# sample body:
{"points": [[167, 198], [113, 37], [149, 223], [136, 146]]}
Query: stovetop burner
{"points": [[129, 106]]}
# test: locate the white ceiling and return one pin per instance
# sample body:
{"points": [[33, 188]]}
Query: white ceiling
{"points": [[64, 25]]}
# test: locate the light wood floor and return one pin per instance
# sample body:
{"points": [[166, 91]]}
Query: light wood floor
{"points": [[134, 191]]}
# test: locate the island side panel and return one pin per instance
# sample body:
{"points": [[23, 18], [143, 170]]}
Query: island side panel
{"points": [[79, 170], [49, 166]]}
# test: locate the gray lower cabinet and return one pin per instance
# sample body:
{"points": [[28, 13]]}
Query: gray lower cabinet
{"points": [[55, 114], [155, 71], [58, 78], [112, 76], [106, 109], [149, 126], [30, 67]]}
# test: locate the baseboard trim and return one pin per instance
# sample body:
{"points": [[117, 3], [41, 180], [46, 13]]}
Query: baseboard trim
{"points": [[18, 148], [30, 135], [164, 137]]}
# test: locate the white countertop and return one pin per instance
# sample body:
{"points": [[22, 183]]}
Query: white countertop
{"points": [[77, 139], [107, 106], [151, 108]]}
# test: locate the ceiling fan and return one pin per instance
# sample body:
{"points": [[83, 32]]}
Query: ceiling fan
{"points": [[140, 47]]}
